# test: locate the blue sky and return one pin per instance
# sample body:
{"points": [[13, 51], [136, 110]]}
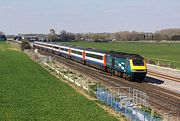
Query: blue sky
{"points": [[38, 16]]}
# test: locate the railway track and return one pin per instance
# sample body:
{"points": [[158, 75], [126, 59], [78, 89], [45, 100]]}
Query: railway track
{"points": [[160, 98], [150, 72]]}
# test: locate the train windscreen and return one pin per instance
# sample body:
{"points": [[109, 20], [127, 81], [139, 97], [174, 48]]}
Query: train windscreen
{"points": [[138, 62]]}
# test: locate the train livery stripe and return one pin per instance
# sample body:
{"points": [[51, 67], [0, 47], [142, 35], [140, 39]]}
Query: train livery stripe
{"points": [[83, 54], [69, 51], [104, 60]]}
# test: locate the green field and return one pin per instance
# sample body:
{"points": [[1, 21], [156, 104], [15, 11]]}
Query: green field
{"points": [[30, 93], [164, 52]]}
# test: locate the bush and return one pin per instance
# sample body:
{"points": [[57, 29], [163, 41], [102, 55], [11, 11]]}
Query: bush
{"points": [[25, 45]]}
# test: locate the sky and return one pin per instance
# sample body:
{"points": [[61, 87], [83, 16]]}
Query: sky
{"points": [[39, 16]]}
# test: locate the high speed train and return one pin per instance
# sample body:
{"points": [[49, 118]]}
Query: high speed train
{"points": [[130, 66]]}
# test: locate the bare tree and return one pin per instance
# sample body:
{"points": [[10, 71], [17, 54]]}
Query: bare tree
{"points": [[52, 31], [66, 36], [52, 38]]}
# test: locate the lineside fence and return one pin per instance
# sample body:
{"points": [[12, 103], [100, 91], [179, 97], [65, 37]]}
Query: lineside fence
{"points": [[164, 63], [129, 102]]}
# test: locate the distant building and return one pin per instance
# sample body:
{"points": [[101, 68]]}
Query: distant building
{"points": [[10, 37], [2, 37], [29, 37], [176, 37], [34, 37], [146, 36]]}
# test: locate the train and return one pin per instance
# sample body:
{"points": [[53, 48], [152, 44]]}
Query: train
{"points": [[132, 67]]}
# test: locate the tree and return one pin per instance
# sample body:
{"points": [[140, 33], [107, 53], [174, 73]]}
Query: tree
{"points": [[157, 37], [52, 38], [135, 36], [117, 36], [78, 36], [25, 45], [52, 31], [66, 36]]}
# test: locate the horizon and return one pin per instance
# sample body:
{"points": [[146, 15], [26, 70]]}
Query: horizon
{"points": [[88, 32], [88, 16]]}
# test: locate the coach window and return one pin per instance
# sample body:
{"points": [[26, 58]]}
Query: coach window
{"points": [[56, 47], [64, 49], [76, 52], [49, 45], [41, 44], [94, 56]]}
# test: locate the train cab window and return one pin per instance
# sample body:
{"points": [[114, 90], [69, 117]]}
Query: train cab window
{"points": [[94, 56], [76, 52], [138, 62]]}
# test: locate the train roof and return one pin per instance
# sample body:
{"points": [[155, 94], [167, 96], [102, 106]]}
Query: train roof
{"points": [[82, 48], [124, 55], [96, 50], [73, 46], [112, 53]]}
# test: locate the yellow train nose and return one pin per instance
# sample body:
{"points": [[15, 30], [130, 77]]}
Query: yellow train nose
{"points": [[139, 66]]}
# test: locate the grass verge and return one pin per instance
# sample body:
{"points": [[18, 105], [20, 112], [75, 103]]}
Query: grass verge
{"points": [[30, 93]]}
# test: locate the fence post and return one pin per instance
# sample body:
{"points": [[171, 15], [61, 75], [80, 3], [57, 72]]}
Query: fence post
{"points": [[136, 113], [81, 83], [125, 110], [152, 114], [97, 91], [133, 95], [111, 99], [107, 98], [169, 64]]}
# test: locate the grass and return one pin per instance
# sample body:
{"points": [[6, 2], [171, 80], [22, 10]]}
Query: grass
{"points": [[30, 93], [164, 52]]}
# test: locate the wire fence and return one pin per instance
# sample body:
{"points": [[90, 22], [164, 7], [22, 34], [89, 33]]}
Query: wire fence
{"points": [[164, 63], [129, 104]]}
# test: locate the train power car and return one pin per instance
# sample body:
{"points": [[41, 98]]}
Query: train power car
{"points": [[130, 66]]}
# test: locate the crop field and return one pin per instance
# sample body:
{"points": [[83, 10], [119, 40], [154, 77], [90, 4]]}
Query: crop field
{"points": [[166, 53], [30, 93]]}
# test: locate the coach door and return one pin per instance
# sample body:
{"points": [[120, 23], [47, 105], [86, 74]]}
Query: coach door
{"points": [[113, 63]]}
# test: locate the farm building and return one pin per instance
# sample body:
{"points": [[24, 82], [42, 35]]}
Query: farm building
{"points": [[2, 37], [176, 37]]}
